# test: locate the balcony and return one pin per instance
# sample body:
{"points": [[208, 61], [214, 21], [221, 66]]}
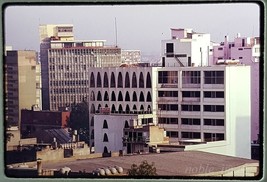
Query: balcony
{"points": [[189, 85], [213, 128], [135, 140], [213, 86], [191, 99], [168, 85], [213, 100], [205, 113], [190, 127], [167, 99]]}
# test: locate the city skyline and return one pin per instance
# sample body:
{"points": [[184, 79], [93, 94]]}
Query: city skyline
{"points": [[133, 29]]}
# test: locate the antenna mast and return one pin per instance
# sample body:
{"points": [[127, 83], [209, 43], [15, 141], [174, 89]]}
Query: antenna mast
{"points": [[116, 32]]}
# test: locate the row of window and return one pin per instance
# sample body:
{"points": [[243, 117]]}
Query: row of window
{"points": [[127, 83], [120, 97], [191, 77], [69, 83], [196, 135], [125, 110], [186, 107], [192, 121]]}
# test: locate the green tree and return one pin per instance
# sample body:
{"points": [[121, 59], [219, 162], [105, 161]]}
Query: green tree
{"points": [[144, 169], [79, 120]]}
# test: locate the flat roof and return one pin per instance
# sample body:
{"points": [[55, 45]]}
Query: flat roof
{"points": [[185, 163]]}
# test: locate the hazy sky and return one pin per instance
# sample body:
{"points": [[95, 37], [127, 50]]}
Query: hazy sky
{"points": [[138, 26]]}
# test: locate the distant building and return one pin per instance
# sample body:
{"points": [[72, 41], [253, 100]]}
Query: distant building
{"points": [[185, 48], [65, 63], [247, 51], [33, 122], [23, 83], [130, 56]]}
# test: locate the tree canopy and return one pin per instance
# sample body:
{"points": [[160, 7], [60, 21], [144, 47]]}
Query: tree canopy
{"points": [[79, 120], [144, 169]]}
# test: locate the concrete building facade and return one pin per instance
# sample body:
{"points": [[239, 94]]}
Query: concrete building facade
{"points": [[23, 83], [131, 56], [65, 64]]}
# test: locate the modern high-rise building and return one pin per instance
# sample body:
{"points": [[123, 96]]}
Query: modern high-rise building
{"points": [[131, 56], [23, 83], [66, 62]]}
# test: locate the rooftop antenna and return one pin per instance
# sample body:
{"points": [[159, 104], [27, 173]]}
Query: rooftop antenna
{"points": [[116, 32]]}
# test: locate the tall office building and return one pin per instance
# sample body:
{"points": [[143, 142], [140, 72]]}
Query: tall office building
{"points": [[65, 64], [23, 83]]}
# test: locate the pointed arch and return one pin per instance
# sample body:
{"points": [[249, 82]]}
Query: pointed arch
{"points": [[141, 80], [142, 108], [105, 150], [92, 121], [120, 80], [134, 96], [126, 124], [92, 96], [113, 108], [120, 98], [127, 80], [127, 109], [113, 96], [120, 109], [134, 108], [148, 97], [92, 80], [141, 97], [148, 80], [134, 80], [105, 138], [98, 80], [92, 110], [106, 105], [105, 124], [106, 97], [149, 109], [112, 81], [99, 96], [99, 106], [127, 96], [93, 134], [105, 79]]}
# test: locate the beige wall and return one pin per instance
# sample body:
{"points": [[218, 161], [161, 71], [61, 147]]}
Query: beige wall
{"points": [[156, 135]]}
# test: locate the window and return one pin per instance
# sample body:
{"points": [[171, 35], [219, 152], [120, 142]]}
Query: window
{"points": [[190, 107], [105, 80], [190, 121], [105, 139], [112, 81], [214, 108], [105, 124], [213, 137], [191, 77], [141, 80], [148, 81], [126, 124], [240, 57], [191, 94], [127, 80], [213, 94], [99, 82], [134, 81], [195, 135], [220, 48], [214, 122], [214, 77], [170, 77], [168, 107], [120, 81], [167, 93], [169, 50], [172, 134], [168, 120]]}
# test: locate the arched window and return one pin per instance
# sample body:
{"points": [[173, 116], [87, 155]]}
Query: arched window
{"points": [[92, 121], [127, 109], [149, 109], [148, 80], [92, 109], [134, 96], [127, 80], [99, 82], [112, 81], [113, 108], [120, 98], [113, 96], [92, 96], [126, 124], [105, 79], [120, 81], [134, 81], [105, 139], [148, 97], [105, 150], [106, 98], [106, 105], [141, 108], [92, 134], [99, 96], [141, 80], [120, 108], [92, 80], [141, 98], [98, 108], [127, 96], [134, 108], [105, 124]]}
